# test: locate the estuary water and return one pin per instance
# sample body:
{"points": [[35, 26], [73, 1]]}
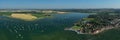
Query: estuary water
{"points": [[49, 28]]}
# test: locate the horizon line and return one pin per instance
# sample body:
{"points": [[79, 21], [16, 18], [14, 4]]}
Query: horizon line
{"points": [[59, 8]]}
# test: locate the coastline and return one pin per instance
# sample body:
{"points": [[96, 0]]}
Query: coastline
{"points": [[95, 32]]}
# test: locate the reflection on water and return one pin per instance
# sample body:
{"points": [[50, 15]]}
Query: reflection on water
{"points": [[44, 29]]}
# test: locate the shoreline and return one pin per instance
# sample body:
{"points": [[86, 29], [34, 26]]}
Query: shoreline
{"points": [[95, 32]]}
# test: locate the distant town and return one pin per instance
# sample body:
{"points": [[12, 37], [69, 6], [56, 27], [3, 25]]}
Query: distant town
{"points": [[63, 10]]}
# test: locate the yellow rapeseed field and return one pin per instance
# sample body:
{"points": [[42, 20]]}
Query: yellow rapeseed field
{"points": [[23, 16]]}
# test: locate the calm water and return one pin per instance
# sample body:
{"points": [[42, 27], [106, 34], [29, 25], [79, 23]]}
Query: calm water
{"points": [[50, 28]]}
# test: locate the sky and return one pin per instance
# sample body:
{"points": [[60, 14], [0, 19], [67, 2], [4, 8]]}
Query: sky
{"points": [[59, 4]]}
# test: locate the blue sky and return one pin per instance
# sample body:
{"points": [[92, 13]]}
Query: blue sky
{"points": [[60, 4]]}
